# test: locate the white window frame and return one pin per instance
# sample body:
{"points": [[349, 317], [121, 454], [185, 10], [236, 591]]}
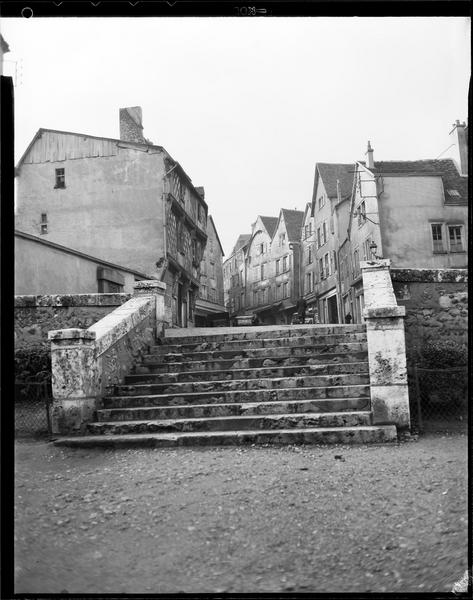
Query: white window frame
{"points": [[443, 240], [462, 237]]}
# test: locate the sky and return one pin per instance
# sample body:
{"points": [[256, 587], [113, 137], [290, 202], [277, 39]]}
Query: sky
{"points": [[247, 106]]}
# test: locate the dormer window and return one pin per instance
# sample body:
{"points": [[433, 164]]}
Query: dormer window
{"points": [[60, 178]]}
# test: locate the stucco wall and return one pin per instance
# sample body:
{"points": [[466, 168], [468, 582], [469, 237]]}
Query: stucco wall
{"points": [[42, 269], [111, 206], [407, 206], [436, 302], [36, 315]]}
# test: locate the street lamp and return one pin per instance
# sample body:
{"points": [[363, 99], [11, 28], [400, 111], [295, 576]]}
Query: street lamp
{"points": [[373, 247]]}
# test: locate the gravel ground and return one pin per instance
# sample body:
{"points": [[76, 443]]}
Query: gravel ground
{"points": [[252, 519]]}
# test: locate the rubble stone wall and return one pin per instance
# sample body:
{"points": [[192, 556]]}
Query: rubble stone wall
{"points": [[436, 302], [36, 315]]}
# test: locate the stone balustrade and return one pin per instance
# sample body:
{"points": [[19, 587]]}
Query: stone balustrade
{"points": [[88, 363], [386, 346]]}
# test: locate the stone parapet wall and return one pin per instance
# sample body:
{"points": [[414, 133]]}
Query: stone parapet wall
{"points": [[436, 302], [36, 315], [88, 363]]}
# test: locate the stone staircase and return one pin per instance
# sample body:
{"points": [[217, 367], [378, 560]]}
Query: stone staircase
{"points": [[285, 385]]}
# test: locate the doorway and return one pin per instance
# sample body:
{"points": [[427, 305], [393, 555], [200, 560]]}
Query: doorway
{"points": [[332, 309]]}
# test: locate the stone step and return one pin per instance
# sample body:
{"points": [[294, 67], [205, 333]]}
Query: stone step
{"points": [[312, 349], [321, 435], [204, 334], [154, 366], [232, 423], [234, 409], [231, 374], [294, 393], [212, 345], [269, 383]]}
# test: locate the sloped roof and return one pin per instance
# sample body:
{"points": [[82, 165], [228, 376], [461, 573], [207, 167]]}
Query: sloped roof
{"points": [[445, 168], [270, 223], [242, 240], [216, 234], [330, 172], [293, 220], [146, 145]]}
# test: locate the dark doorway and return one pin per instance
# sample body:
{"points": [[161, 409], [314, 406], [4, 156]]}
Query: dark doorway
{"points": [[332, 309]]}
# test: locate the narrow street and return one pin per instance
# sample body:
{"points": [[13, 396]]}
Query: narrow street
{"points": [[253, 519]]}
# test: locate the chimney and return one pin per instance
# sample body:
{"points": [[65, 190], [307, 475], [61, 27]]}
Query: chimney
{"points": [[369, 152], [131, 128], [201, 192], [459, 149]]}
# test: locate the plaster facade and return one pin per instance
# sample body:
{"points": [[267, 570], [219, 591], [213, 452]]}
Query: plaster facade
{"points": [[46, 268], [123, 201], [211, 299], [234, 278]]}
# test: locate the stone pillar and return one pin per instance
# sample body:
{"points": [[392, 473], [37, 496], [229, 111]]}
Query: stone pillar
{"points": [[386, 346], [156, 288], [75, 379]]}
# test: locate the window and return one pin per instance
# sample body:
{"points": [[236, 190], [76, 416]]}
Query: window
{"points": [[455, 238], [310, 228], [286, 289], [321, 268], [437, 237], [321, 201], [213, 295], [212, 270], [324, 227], [282, 239], [327, 265], [309, 255], [332, 262], [203, 292], [278, 266], [284, 264], [318, 237], [262, 272], [309, 282], [60, 178], [367, 250], [306, 231], [278, 292], [356, 263], [44, 223], [255, 297], [242, 300], [211, 246], [361, 214]]}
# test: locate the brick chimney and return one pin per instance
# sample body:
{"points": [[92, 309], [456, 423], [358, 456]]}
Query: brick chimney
{"points": [[131, 128], [459, 149], [369, 152]]}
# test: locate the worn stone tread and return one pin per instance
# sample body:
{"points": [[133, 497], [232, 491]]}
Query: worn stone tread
{"points": [[320, 435], [235, 409], [198, 334], [274, 342], [303, 393], [234, 423], [250, 373], [275, 351], [266, 383]]}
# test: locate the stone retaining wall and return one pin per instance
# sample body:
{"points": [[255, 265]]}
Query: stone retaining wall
{"points": [[436, 302], [36, 315]]}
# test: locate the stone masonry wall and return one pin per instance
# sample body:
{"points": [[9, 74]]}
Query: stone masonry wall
{"points": [[436, 302], [36, 315]]}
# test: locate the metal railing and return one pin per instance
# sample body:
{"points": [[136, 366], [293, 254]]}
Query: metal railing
{"points": [[32, 408], [438, 398]]}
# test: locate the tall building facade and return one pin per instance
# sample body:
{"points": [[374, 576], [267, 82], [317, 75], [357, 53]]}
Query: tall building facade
{"points": [[125, 201]]}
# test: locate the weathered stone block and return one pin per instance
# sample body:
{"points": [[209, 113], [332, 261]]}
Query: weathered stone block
{"points": [[390, 404]]}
